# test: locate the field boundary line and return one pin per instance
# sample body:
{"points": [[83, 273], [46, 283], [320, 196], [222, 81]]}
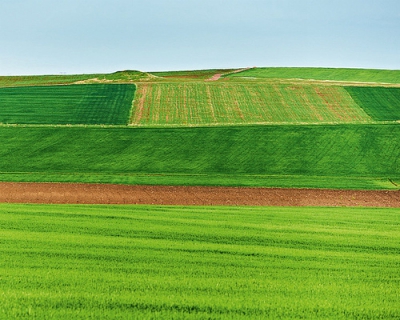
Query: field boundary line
{"points": [[132, 105], [203, 125]]}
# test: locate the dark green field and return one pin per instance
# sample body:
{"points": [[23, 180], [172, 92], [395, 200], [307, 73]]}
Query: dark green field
{"points": [[329, 156], [379, 103], [147, 262], [74, 104]]}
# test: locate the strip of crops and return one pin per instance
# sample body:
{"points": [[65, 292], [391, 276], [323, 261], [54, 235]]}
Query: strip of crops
{"points": [[379, 103], [15, 81], [120, 76], [335, 74], [74, 104], [224, 103], [82, 262], [324, 156]]}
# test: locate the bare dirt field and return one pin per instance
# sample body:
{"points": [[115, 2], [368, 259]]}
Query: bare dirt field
{"points": [[69, 193]]}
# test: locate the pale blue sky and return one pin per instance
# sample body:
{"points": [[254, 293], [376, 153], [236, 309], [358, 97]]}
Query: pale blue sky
{"points": [[93, 36]]}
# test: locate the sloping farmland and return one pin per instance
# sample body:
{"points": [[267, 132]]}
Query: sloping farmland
{"points": [[67, 104], [205, 103]]}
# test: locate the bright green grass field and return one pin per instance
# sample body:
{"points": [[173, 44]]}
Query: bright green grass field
{"points": [[335, 74], [379, 103], [73, 104], [324, 156], [148, 262]]}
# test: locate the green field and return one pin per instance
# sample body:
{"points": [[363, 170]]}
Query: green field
{"points": [[332, 74], [74, 104], [267, 131], [328, 156], [142, 262], [379, 103], [205, 103], [21, 81], [173, 262], [126, 76]]}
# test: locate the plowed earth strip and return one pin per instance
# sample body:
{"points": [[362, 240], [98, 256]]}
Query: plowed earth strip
{"points": [[69, 193]]}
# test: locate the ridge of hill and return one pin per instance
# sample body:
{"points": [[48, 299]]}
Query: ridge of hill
{"points": [[125, 76]]}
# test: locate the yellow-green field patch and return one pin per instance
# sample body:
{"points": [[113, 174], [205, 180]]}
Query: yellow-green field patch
{"points": [[243, 103]]}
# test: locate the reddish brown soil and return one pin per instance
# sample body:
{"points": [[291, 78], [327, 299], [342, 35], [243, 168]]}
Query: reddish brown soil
{"points": [[215, 77], [169, 195]]}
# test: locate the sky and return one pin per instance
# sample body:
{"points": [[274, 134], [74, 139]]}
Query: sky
{"points": [[99, 36]]}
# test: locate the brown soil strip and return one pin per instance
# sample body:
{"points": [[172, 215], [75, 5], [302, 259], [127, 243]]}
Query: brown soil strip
{"points": [[69, 193], [219, 75], [215, 77]]}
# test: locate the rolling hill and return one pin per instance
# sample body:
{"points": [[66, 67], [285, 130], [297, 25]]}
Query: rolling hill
{"points": [[267, 127], [260, 127]]}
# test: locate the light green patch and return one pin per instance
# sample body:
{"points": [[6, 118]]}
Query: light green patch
{"points": [[102, 262]]}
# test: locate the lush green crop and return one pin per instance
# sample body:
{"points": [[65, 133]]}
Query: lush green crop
{"points": [[139, 262], [379, 103], [335, 74], [344, 156], [197, 103], [73, 104]]}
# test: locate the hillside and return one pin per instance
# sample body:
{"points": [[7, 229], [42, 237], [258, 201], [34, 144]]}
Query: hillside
{"points": [[271, 127], [200, 195]]}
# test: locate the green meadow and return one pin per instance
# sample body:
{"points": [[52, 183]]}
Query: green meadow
{"points": [[147, 262], [327, 156]]}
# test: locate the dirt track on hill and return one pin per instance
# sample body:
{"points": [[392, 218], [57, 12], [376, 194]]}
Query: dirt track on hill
{"points": [[69, 193]]}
